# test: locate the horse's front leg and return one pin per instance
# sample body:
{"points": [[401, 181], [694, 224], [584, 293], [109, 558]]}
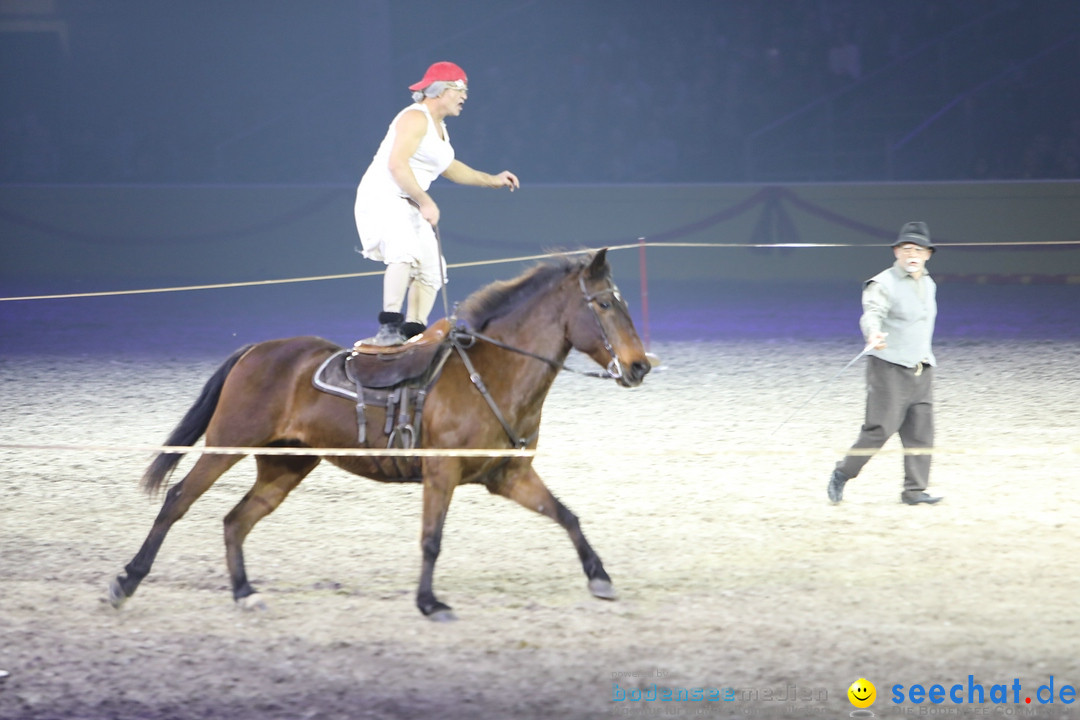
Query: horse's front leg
{"points": [[526, 488], [440, 479]]}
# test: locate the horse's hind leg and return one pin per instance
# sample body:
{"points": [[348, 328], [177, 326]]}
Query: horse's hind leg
{"points": [[277, 477], [202, 475], [527, 489]]}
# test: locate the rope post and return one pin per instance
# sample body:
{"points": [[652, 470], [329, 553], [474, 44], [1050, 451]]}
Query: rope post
{"points": [[644, 292]]}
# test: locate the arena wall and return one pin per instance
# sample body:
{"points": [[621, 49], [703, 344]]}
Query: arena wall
{"points": [[104, 237]]}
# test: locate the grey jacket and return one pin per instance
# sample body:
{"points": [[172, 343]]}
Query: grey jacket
{"points": [[905, 308]]}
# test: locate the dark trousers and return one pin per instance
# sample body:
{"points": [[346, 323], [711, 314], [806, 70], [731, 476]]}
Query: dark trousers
{"points": [[897, 400]]}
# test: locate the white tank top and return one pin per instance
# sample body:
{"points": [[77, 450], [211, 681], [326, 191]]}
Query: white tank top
{"points": [[430, 160]]}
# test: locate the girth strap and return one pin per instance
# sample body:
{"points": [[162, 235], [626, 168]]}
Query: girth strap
{"points": [[392, 401]]}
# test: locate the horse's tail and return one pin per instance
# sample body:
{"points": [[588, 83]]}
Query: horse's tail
{"points": [[191, 427]]}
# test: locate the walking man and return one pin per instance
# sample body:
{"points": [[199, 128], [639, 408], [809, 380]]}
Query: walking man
{"points": [[899, 310]]}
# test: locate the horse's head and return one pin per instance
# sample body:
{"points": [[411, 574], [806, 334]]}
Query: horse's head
{"points": [[601, 327]]}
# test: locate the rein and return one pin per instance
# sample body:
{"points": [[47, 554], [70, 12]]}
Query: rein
{"points": [[455, 339], [465, 338], [462, 338]]}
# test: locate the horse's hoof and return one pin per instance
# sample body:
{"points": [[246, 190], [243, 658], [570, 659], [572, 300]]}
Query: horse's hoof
{"points": [[251, 603], [436, 611], [602, 589], [116, 595]]}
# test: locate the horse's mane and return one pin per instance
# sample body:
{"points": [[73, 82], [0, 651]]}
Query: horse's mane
{"points": [[503, 297]]}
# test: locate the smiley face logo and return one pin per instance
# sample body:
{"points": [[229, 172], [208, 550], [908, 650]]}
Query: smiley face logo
{"points": [[862, 693]]}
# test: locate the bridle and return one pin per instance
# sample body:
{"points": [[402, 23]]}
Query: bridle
{"points": [[614, 368], [462, 338]]}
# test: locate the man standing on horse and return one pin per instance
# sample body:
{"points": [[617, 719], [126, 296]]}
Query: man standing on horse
{"points": [[396, 218]]}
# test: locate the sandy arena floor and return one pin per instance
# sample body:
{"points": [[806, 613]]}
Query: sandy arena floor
{"points": [[732, 568]]}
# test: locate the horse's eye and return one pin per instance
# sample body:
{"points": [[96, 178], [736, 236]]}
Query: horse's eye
{"points": [[604, 305]]}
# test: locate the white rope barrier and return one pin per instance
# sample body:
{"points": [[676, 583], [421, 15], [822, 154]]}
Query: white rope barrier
{"points": [[289, 451], [186, 288], [501, 261], [283, 281], [785, 449]]}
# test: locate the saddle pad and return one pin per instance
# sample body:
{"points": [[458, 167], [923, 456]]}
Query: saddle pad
{"points": [[330, 377]]}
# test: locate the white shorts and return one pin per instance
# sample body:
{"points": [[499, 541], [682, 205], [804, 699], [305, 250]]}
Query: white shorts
{"points": [[393, 230]]}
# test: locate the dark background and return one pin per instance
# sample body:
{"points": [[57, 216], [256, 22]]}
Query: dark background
{"points": [[116, 93], [610, 91]]}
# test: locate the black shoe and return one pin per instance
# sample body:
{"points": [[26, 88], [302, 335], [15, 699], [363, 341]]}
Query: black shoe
{"points": [[836, 486], [922, 498], [412, 328]]}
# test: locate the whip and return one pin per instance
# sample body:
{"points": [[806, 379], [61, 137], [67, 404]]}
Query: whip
{"points": [[868, 348], [442, 270]]}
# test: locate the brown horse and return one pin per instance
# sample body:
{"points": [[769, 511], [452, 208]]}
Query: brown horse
{"points": [[489, 395]]}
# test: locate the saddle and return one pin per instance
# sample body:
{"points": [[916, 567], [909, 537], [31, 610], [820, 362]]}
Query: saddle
{"points": [[387, 365], [396, 377]]}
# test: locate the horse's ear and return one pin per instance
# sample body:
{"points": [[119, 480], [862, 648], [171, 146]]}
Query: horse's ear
{"points": [[598, 268]]}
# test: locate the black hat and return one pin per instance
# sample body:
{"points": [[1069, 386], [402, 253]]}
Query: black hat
{"points": [[917, 233]]}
